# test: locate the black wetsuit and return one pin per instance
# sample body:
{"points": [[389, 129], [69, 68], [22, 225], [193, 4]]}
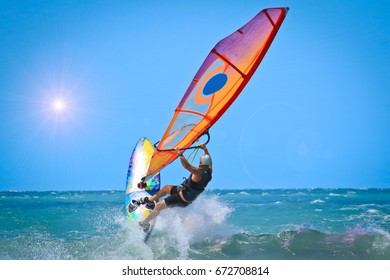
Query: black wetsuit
{"points": [[191, 190]]}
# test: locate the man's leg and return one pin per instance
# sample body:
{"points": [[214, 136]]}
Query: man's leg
{"points": [[157, 209], [164, 191], [159, 206]]}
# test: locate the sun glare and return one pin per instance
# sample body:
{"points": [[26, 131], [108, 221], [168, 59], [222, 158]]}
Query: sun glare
{"points": [[60, 109], [59, 105]]}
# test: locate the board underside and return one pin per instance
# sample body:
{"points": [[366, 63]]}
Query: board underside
{"points": [[138, 166]]}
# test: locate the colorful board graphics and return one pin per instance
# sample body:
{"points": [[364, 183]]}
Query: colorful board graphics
{"points": [[138, 166]]}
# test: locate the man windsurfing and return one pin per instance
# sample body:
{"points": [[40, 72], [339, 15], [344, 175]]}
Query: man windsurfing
{"points": [[180, 196]]}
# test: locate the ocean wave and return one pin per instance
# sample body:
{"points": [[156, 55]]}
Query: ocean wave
{"points": [[244, 193], [183, 236], [317, 201], [302, 244], [349, 209], [335, 194]]}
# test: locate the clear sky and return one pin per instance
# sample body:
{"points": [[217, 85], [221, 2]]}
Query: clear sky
{"points": [[82, 81]]}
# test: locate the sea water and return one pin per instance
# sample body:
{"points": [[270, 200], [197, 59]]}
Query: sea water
{"points": [[222, 224]]}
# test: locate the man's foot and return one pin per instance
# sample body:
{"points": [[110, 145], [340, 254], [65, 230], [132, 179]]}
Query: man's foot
{"points": [[150, 204], [140, 201], [145, 226], [144, 200], [136, 202]]}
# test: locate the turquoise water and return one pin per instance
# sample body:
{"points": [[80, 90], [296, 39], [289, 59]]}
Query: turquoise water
{"points": [[221, 224]]}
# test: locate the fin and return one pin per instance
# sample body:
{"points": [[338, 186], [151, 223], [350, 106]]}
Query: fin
{"points": [[145, 227]]}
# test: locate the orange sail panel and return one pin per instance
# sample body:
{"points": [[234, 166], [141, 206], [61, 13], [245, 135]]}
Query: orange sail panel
{"points": [[220, 79]]}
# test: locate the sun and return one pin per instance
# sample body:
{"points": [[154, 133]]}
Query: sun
{"points": [[59, 105], [60, 109]]}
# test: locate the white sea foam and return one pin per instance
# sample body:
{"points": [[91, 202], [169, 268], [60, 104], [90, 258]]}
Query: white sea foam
{"points": [[352, 233], [349, 194], [177, 228], [348, 209], [127, 243], [335, 194], [373, 212], [317, 201]]}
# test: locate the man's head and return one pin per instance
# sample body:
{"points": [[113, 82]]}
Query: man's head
{"points": [[205, 160]]}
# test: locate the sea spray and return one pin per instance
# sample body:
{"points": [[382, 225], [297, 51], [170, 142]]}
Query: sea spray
{"points": [[177, 228]]}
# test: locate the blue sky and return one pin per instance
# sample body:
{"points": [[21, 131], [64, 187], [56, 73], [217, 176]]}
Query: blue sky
{"points": [[315, 114]]}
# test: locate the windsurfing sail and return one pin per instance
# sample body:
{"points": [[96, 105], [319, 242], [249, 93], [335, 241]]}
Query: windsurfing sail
{"points": [[218, 82]]}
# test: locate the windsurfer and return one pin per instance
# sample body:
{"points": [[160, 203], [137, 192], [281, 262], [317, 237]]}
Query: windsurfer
{"points": [[180, 196]]}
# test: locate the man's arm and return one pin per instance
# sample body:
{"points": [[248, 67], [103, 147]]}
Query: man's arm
{"points": [[204, 148], [186, 164], [206, 152]]}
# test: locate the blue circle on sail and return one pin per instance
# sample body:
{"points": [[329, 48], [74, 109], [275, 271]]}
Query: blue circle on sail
{"points": [[215, 84]]}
